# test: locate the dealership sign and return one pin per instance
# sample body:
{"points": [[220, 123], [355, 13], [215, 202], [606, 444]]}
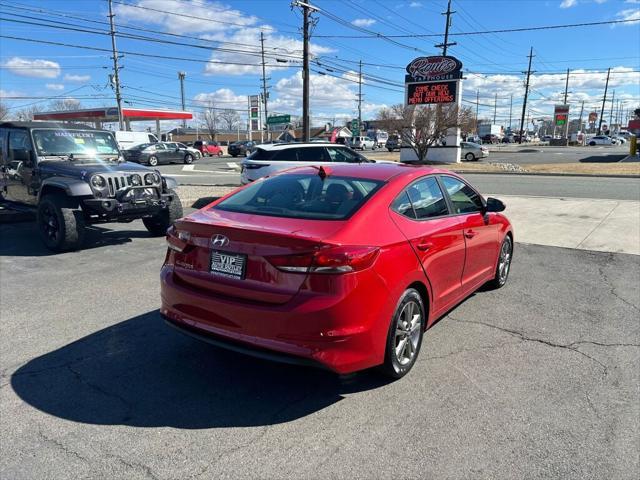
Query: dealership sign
{"points": [[432, 80]]}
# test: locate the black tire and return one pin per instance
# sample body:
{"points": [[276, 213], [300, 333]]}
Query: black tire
{"points": [[394, 365], [188, 158], [502, 273], [470, 157], [220, 153], [234, 155], [60, 223], [390, 149], [593, 144], [158, 224], [153, 161]]}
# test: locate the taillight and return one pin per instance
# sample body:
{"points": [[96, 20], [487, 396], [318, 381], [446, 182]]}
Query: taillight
{"points": [[177, 240], [327, 260]]}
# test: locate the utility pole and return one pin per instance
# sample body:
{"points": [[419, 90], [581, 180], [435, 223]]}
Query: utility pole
{"points": [[446, 43], [265, 93], [306, 11], [580, 118], [477, 105], [181, 76], [566, 91], [606, 87], [116, 68], [613, 99], [495, 107], [526, 94], [510, 110], [360, 96]]}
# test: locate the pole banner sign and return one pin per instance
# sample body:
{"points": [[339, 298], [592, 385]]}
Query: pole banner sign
{"points": [[593, 116], [432, 80]]}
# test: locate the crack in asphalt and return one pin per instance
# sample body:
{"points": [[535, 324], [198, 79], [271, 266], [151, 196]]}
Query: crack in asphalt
{"points": [[525, 338], [100, 390], [612, 289], [135, 466], [61, 446]]}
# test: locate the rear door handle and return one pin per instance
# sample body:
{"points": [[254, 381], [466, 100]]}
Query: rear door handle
{"points": [[470, 234], [424, 246]]}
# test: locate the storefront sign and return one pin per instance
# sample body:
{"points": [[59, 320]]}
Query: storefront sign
{"points": [[431, 93], [433, 68]]}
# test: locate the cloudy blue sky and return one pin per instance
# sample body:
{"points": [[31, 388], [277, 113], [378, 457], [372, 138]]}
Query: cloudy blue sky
{"points": [[217, 45]]}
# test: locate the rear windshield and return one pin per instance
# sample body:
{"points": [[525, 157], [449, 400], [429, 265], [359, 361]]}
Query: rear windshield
{"points": [[303, 196]]}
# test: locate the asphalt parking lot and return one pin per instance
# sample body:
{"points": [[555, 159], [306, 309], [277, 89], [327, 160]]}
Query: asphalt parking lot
{"points": [[537, 380]]}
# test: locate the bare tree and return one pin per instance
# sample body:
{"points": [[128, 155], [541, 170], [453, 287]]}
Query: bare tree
{"points": [[4, 111], [424, 126], [209, 117], [64, 104], [229, 119], [26, 114]]}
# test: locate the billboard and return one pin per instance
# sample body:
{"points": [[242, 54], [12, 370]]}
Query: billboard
{"points": [[426, 69]]}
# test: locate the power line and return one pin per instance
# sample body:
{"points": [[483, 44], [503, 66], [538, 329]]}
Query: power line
{"points": [[504, 30]]}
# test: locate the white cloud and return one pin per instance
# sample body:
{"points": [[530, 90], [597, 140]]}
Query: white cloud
{"points": [[236, 31], [568, 3], [54, 86], [629, 14], [635, 2], [325, 92], [77, 78], [222, 98], [33, 68], [9, 93], [363, 22], [415, 4]]}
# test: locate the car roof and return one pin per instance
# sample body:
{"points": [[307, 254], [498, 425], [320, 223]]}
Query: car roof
{"points": [[62, 126], [373, 171], [284, 146]]}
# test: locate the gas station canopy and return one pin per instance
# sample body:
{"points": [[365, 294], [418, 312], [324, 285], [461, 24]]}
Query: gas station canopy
{"points": [[110, 114]]}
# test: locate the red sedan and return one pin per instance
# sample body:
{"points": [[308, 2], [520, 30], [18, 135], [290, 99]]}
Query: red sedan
{"points": [[343, 267]]}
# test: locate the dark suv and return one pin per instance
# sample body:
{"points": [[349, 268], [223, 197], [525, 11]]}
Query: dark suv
{"points": [[243, 147], [73, 176]]}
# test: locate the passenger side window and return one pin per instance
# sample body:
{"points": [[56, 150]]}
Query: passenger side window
{"points": [[18, 140], [160, 146], [342, 155], [427, 198], [402, 205], [313, 154], [287, 155], [463, 198]]}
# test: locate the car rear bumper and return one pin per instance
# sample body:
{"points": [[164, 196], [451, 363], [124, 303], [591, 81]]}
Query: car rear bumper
{"points": [[343, 333]]}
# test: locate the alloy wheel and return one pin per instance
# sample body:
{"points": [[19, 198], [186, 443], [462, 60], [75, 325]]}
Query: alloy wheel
{"points": [[504, 263], [407, 333], [50, 224]]}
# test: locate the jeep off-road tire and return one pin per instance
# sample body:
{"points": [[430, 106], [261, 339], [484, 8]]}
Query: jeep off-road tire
{"points": [[158, 224], [60, 223]]}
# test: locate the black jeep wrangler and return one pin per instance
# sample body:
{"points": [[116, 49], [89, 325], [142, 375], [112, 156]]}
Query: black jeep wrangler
{"points": [[74, 175]]}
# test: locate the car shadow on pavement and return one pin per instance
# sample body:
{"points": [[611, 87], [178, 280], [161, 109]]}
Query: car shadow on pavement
{"points": [[142, 373], [23, 240], [603, 158]]}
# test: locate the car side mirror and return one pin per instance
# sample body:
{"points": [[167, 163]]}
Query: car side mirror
{"points": [[495, 205]]}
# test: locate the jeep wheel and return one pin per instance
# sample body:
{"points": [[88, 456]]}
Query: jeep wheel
{"points": [[188, 158], [60, 223], [153, 160], [158, 224]]}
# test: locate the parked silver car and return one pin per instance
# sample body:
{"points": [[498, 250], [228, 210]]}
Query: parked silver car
{"points": [[362, 143], [473, 151]]}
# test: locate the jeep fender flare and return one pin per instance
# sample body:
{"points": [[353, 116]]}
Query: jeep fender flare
{"points": [[169, 183], [70, 186]]}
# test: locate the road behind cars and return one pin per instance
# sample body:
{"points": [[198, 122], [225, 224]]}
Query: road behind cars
{"points": [[537, 380]]}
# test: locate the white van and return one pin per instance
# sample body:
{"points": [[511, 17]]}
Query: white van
{"points": [[127, 140]]}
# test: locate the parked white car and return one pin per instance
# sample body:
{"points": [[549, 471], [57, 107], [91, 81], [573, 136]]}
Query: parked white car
{"points": [[362, 143], [600, 140], [472, 151], [270, 158]]}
